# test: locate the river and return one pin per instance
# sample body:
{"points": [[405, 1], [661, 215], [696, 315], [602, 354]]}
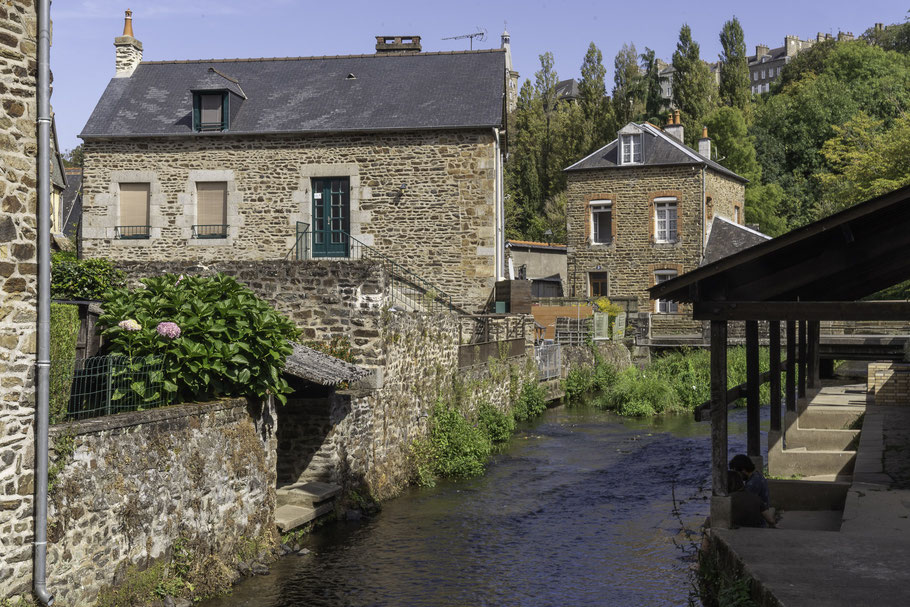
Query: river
{"points": [[578, 509]]}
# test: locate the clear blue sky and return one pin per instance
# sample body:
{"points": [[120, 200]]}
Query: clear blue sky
{"points": [[82, 55]]}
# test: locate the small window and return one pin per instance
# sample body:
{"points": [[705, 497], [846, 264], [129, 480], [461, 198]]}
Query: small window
{"points": [[736, 215], [601, 221], [755, 75], [210, 111], [134, 211], [663, 306], [763, 74], [631, 149], [665, 220], [211, 210], [599, 284]]}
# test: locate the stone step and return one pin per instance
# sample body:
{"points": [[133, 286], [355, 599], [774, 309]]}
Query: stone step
{"points": [[307, 494], [289, 517]]}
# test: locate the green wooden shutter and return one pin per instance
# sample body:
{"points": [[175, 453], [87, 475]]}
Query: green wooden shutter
{"points": [[197, 112]]}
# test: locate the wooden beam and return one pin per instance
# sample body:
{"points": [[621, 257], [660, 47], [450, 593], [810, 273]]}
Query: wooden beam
{"points": [[801, 310], [719, 407], [774, 351], [791, 366], [812, 380], [753, 406], [801, 359]]}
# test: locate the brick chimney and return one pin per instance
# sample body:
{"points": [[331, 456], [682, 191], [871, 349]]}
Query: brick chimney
{"points": [[129, 50], [674, 128], [704, 144], [397, 45]]}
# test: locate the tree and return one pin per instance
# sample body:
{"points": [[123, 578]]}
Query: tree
{"points": [[764, 206], [627, 84], [735, 148], [600, 125], [895, 37], [734, 66], [693, 85], [651, 85], [73, 157]]}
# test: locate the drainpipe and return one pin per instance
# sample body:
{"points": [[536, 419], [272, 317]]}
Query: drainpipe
{"points": [[44, 303], [499, 213], [704, 212]]}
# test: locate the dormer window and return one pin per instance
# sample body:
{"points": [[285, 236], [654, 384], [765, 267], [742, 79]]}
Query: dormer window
{"points": [[210, 111], [631, 149]]}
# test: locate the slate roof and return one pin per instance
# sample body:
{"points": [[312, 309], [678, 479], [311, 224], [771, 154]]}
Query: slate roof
{"points": [[727, 238], [297, 95], [658, 148], [317, 367], [71, 201], [567, 89]]}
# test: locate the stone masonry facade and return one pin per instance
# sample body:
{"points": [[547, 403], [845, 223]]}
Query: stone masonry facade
{"points": [[423, 199], [18, 283], [633, 257], [137, 483]]}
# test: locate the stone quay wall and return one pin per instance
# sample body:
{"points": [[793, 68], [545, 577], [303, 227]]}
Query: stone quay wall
{"points": [[137, 483], [424, 199], [18, 294]]}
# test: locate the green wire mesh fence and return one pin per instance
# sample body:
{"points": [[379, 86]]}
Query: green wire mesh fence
{"points": [[105, 385]]}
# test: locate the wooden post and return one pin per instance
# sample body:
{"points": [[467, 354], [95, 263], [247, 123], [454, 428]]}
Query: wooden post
{"points": [[812, 358], [791, 366], [718, 407], [802, 358], [774, 335], [753, 406]]}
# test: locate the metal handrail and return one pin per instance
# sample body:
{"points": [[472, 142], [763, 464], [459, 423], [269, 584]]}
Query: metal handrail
{"points": [[132, 232], [214, 230]]}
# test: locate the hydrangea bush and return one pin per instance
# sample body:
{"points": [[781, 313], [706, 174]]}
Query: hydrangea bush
{"points": [[214, 336]]}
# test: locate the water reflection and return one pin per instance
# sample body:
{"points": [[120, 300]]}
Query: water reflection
{"points": [[576, 511]]}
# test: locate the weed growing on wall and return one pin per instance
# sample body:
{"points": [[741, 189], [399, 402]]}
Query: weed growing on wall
{"points": [[532, 401], [213, 335], [495, 424]]}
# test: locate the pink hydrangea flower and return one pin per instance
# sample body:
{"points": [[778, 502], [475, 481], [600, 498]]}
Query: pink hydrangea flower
{"points": [[168, 329], [129, 325]]}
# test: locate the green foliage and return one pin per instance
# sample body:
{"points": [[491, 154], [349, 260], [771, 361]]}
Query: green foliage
{"points": [[651, 83], [734, 88], [637, 393], [693, 84], [77, 279], [455, 448], [142, 587], [894, 37], [532, 401], [735, 148], [764, 204], [231, 344], [628, 86], [74, 157], [495, 424], [64, 447], [64, 333], [578, 383], [339, 347]]}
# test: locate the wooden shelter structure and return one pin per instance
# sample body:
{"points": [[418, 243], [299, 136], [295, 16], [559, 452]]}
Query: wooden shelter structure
{"points": [[821, 271]]}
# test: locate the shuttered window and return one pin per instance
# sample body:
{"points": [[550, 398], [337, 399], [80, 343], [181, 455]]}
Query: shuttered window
{"points": [[211, 209], [601, 325], [134, 210]]}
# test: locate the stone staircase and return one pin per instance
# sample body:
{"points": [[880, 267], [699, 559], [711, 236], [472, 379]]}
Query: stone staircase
{"points": [[300, 503], [820, 441]]}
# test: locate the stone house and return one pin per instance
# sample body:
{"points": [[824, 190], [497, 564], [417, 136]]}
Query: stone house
{"points": [[640, 211], [399, 153]]}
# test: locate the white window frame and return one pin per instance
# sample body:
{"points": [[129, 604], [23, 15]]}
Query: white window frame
{"points": [[664, 203], [630, 143], [664, 306], [763, 74], [596, 207]]}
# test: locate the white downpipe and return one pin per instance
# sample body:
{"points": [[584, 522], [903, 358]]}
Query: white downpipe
{"points": [[499, 212]]}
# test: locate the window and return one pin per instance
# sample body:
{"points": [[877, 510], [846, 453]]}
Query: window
{"points": [[134, 211], [598, 284], [665, 219], [763, 74], [211, 210], [601, 221], [735, 214], [663, 306], [631, 149], [210, 111], [755, 75]]}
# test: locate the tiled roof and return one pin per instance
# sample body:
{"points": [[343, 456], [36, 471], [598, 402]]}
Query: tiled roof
{"points": [[727, 238], [658, 148], [318, 94], [320, 368]]}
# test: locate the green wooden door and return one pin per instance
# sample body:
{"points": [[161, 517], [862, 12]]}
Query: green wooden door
{"points": [[331, 217]]}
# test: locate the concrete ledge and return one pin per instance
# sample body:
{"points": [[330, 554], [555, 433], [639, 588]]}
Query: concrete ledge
{"points": [[825, 417], [791, 495], [789, 462], [815, 439]]}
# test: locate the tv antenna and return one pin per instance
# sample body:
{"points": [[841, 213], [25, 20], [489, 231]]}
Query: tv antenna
{"points": [[480, 34]]}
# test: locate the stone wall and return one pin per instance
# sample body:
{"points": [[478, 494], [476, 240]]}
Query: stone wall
{"points": [[889, 383], [18, 282], [440, 225], [137, 482]]}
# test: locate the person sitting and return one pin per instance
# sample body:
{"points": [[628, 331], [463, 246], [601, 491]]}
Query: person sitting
{"points": [[752, 505]]}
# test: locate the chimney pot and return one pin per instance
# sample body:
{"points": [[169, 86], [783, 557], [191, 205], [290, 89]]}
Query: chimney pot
{"points": [[674, 128], [128, 53], [704, 144], [128, 23]]}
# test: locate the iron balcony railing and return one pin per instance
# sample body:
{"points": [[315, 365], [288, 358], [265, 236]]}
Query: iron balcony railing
{"points": [[210, 231], [132, 232], [407, 288]]}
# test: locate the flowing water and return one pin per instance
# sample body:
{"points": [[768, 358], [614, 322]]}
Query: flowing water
{"points": [[577, 510]]}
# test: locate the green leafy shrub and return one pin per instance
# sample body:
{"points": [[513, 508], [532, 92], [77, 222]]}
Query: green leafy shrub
{"points": [[578, 383], [456, 448], [227, 341], [77, 279], [496, 425], [532, 401], [637, 394], [64, 333]]}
